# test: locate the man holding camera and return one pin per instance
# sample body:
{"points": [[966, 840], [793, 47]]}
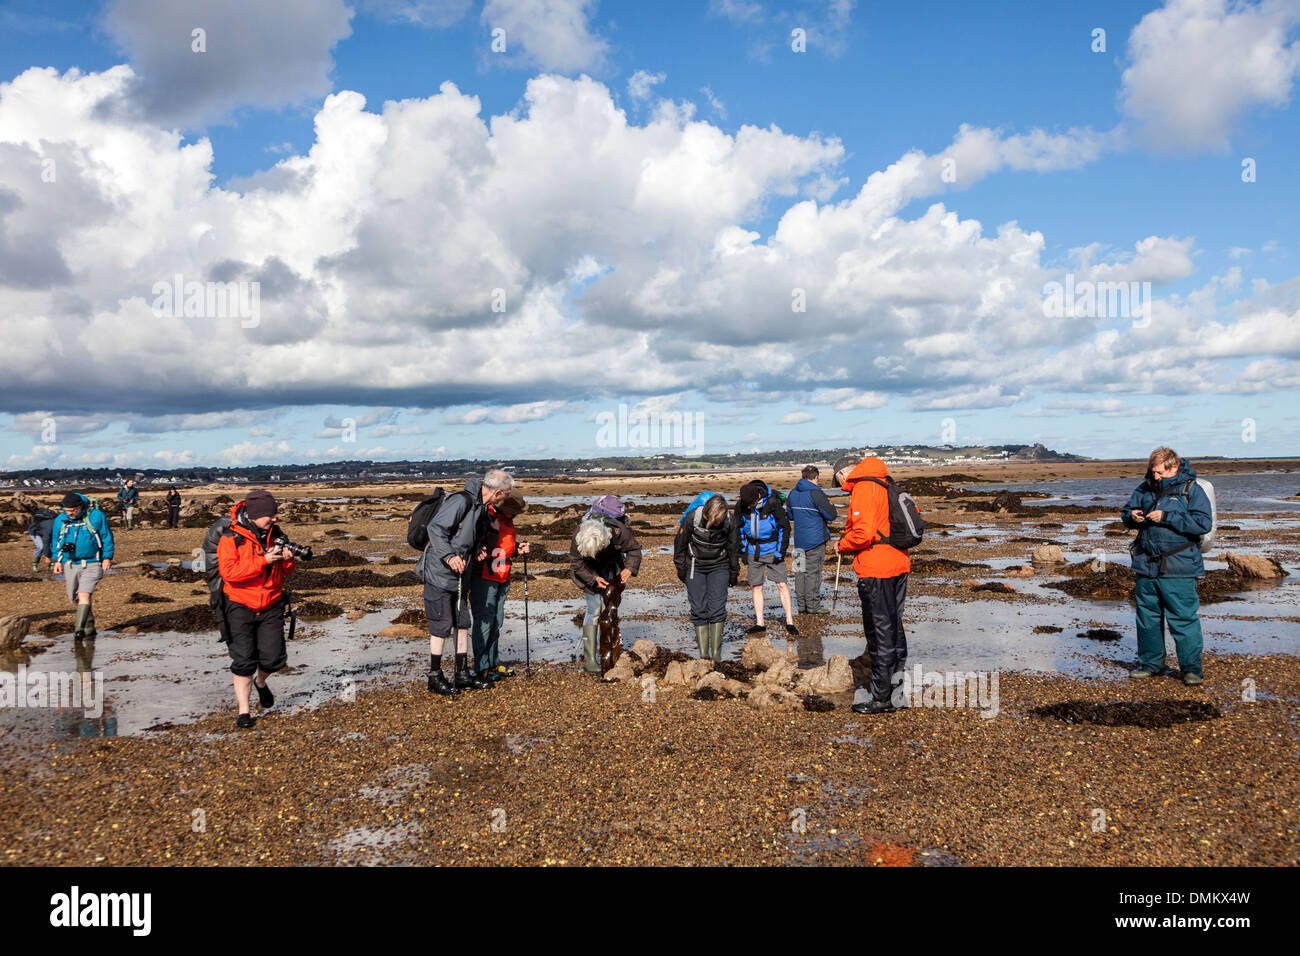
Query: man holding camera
{"points": [[254, 558], [82, 553]]}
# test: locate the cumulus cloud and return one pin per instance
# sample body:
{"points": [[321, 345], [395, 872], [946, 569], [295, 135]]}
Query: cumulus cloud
{"points": [[641, 84], [555, 35], [1196, 67], [253, 53]]}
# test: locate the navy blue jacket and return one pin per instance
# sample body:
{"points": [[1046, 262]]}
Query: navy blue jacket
{"points": [[810, 512], [1183, 521]]}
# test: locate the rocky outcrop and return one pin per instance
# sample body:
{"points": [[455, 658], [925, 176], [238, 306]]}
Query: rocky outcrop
{"points": [[833, 677], [13, 631], [1254, 566], [759, 654], [769, 697], [1047, 555]]}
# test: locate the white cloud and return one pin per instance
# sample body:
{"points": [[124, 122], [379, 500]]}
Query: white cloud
{"points": [[641, 85], [252, 453], [797, 418], [428, 13], [552, 34], [1197, 66], [257, 53]]}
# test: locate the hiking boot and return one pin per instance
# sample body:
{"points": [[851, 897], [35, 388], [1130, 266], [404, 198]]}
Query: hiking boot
{"points": [[756, 629], [438, 684], [264, 695], [870, 707], [1142, 673], [245, 721], [466, 679], [1193, 680]]}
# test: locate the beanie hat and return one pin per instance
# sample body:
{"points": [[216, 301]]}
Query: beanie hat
{"points": [[72, 500], [751, 493], [609, 506], [260, 504], [513, 505], [840, 465]]}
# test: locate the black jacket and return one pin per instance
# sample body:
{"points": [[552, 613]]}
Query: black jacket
{"points": [[701, 548], [623, 551], [173, 499]]}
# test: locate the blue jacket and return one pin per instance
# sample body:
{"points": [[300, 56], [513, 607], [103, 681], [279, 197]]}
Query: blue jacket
{"points": [[810, 512], [764, 537], [80, 532], [1183, 521], [128, 496]]}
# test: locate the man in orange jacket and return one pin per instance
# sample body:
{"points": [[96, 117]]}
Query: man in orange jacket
{"points": [[252, 574], [882, 575]]}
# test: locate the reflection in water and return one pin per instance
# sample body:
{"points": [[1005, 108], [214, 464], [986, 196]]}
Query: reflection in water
{"points": [[82, 721]]}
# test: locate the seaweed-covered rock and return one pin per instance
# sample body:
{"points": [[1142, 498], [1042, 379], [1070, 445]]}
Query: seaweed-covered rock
{"points": [[1125, 713], [644, 651], [772, 697]]}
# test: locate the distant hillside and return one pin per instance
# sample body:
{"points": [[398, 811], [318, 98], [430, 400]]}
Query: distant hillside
{"points": [[406, 470]]}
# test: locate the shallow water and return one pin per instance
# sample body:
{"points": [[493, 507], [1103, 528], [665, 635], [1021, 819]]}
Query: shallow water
{"points": [[1248, 492]]}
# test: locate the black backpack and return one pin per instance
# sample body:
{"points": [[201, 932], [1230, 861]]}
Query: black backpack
{"points": [[905, 524], [211, 572], [417, 529]]}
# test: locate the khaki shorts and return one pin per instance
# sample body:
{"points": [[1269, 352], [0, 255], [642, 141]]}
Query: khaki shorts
{"points": [[82, 577], [775, 572]]}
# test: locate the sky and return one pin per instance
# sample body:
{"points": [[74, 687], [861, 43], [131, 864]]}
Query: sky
{"points": [[236, 233]]}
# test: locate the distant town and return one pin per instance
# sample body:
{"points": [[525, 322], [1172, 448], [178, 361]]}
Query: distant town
{"points": [[372, 471]]}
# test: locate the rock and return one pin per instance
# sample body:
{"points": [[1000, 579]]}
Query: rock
{"points": [[645, 651], [782, 673], [1254, 566], [622, 670], [686, 672], [355, 615], [759, 654], [13, 629], [1082, 529], [768, 697], [130, 630], [833, 677], [1024, 571], [969, 583], [403, 630], [1048, 554], [721, 685]]}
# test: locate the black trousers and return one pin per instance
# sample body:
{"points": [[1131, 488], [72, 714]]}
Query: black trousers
{"points": [[256, 640], [882, 620], [173, 515]]}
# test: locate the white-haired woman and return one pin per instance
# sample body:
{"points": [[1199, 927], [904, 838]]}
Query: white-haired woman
{"points": [[602, 549]]}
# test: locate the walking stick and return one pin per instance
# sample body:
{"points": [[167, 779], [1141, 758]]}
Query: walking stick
{"points": [[528, 669], [839, 557]]}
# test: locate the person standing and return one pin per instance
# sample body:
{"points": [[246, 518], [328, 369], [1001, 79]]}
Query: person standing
{"points": [[603, 548], [764, 540], [487, 595], [128, 496], [706, 554], [173, 500], [882, 573], [456, 534], [252, 571], [41, 531], [1170, 512], [82, 550], [811, 513]]}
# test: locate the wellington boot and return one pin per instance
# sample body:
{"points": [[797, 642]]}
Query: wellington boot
{"points": [[715, 641], [591, 648], [702, 639], [79, 621]]}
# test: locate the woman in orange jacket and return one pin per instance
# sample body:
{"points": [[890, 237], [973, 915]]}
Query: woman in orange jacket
{"points": [[882, 575], [253, 570]]}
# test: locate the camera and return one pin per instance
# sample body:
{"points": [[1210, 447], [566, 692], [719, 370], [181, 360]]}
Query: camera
{"points": [[301, 552]]}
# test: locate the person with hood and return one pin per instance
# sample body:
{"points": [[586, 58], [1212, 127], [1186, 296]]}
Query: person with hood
{"points": [[487, 595], [764, 540], [456, 541], [1170, 512], [253, 568], [173, 500], [706, 553], [811, 513], [603, 548], [128, 496], [882, 573], [41, 531], [82, 551]]}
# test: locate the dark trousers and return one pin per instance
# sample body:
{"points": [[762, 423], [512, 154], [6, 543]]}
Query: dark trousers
{"points": [[808, 582], [882, 620], [256, 640], [173, 516], [707, 591]]}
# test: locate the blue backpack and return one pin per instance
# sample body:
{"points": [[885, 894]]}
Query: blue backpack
{"points": [[761, 530], [702, 497]]}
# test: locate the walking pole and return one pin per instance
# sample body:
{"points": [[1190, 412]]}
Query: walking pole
{"points": [[528, 669], [839, 557]]}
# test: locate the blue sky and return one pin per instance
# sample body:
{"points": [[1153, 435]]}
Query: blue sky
{"points": [[647, 185]]}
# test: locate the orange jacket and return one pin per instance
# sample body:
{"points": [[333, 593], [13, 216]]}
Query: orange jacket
{"points": [[245, 575], [500, 546], [868, 522]]}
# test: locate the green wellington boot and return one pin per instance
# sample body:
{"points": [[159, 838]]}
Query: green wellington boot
{"points": [[79, 621], [715, 641], [702, 639], [90, 623], [591, 648]]}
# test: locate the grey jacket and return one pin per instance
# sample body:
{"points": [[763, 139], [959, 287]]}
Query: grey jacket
{"points": [[456, 528]]}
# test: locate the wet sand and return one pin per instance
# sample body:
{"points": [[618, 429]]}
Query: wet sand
{"points": [[357, 764]]}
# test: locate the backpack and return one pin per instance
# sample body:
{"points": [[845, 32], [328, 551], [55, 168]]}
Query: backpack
{"points": [[905, 524], [763, 525], [211, 572], [702, 497], [1205, 540], [417, 529], [39, 517]]}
